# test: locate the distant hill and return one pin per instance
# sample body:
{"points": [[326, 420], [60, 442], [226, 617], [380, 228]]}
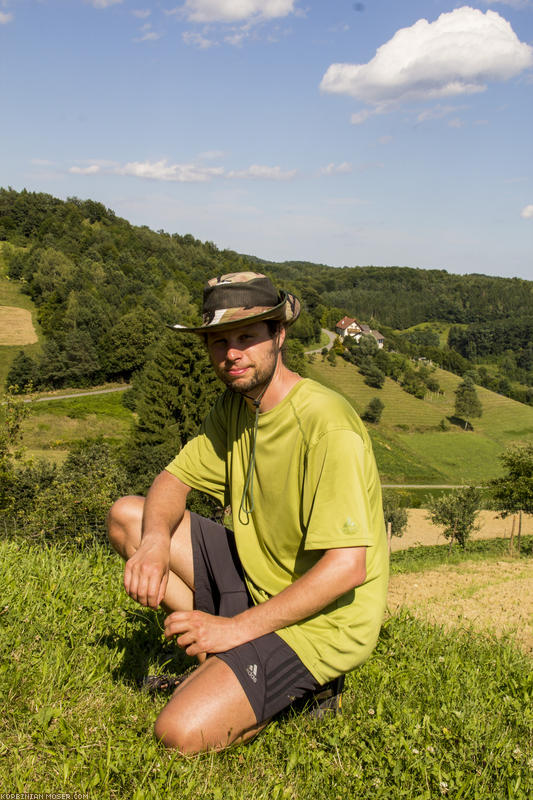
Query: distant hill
{"points": [[409, 444], [101, 290]]}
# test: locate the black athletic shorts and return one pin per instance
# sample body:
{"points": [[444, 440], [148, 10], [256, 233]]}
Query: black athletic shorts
{"points": [[269, 671]]}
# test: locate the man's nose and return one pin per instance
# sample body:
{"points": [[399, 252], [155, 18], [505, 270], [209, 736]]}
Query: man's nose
{"points": [[233, 353]]}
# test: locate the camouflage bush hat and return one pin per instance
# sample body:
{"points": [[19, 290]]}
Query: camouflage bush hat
{"points": [[241, 298]]}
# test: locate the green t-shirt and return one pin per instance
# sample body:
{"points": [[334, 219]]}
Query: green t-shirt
{"points": [[316, 487]]}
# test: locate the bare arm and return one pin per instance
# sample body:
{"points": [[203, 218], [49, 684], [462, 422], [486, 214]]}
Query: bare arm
{"points": [[337, 572], [146, 572]]}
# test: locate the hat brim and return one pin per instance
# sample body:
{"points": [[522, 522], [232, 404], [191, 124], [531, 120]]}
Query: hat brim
{"points": [[287, 311]]}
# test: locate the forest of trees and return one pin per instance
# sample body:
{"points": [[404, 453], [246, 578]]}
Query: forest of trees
{"points": [[104, 290]]}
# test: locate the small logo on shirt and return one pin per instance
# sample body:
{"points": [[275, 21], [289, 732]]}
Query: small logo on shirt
{"points": [[251, 671]]}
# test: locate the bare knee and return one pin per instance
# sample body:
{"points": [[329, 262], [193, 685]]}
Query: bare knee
{"points": [[176, 734], [124, 522]]}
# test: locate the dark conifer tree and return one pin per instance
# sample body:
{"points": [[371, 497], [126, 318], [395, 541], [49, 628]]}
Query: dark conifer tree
{"points": [[175, 392]]}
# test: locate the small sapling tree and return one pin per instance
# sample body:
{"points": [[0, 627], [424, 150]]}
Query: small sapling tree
{"points": [[456, 512], [513, 493], [395, 516]]}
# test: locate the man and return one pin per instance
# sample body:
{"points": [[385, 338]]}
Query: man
{"points": [[294, 597]]}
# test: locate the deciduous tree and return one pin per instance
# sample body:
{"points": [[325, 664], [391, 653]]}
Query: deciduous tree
{"points": [[513, 493], [456, 512]]}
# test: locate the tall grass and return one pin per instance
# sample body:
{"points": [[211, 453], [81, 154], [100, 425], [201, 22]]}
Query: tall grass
{"points": [[430, 715]]}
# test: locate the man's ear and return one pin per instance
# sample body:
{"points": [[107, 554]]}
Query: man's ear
{"points": [[281, 334]]}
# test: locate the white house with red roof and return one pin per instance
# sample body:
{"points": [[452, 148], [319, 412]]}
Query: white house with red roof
{"points": [[348, 326]]}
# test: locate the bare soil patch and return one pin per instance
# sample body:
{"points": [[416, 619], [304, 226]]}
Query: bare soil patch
{"points": [[16, 326], [421, 531], [493, 597]]}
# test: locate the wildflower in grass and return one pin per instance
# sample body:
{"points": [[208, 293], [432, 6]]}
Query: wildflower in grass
{"points": [[415, 751], [430, 748], [443, 786], [371, 712]]}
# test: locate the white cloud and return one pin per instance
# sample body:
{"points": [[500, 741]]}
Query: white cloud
{"points": [[457, 54], [197, 40], [527, 212], [337, 169], [236, 10], [148, 35], [93, 169], [361, 116], [141, 13], [103, 3], [5, 18], [437, 112], [258, 171], [163, 171], [237, 38], [455, 123]]}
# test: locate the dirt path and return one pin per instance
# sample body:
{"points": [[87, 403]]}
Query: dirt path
{"points": [[421, 531], [494, 597]]}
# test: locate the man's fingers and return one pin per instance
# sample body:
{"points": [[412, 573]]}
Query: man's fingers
{"points": [[162, 590], [186, 639]]}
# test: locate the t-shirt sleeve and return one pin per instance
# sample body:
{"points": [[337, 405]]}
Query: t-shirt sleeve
{"points": [[202, 463], [335, 501]]}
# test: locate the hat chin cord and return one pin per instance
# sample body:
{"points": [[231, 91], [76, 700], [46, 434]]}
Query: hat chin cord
{"points": [[245, 506]]}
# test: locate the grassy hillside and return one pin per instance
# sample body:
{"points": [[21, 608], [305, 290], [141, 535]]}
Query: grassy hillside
{"points": [[11, 296], [410, 447], [72, 716], [52, 427]]}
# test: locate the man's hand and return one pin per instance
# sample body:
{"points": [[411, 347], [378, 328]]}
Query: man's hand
{"points": [[199, 632], [146, 573]]}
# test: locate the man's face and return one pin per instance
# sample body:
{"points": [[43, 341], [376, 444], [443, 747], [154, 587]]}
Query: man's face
{"points": [[245, 358]]}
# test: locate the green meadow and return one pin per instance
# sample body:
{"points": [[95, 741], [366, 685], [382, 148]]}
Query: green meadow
{"points": [[409, 445], [53, 426], [431, 714]]}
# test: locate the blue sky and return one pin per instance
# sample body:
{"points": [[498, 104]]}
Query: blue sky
{"points": [[349, 133]]}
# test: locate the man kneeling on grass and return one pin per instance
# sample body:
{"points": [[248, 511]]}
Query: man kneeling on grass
{"points": [[278, 610]]}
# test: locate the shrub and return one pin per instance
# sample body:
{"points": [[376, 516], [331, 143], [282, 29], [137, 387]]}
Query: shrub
{"points": [[456, 512], [374, 410]]}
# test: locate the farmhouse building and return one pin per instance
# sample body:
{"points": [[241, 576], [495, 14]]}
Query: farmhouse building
{"points": [[350, 327], [347, 327]]}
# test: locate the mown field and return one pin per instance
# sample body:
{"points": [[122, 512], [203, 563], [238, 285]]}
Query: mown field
{"points": [[432, 713], [12, 298], [410, 447]]}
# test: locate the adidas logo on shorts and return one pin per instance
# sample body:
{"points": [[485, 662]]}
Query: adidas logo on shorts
{"points": [[251, 671]]}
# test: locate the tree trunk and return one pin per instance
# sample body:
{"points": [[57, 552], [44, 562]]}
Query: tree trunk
{"points": [[511, 541], [389, 536], [519, 530]]}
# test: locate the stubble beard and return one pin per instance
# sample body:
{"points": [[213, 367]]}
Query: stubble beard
{"points": [[260, 377]]}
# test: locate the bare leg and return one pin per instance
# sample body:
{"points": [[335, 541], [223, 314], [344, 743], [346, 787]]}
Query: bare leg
{"points": [[124, 523], [208, 711]]}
